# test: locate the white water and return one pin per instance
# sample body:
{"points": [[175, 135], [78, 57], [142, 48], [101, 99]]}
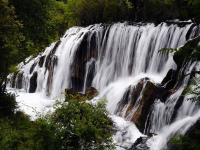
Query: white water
{"points": [[125, 54], [34, 104]]}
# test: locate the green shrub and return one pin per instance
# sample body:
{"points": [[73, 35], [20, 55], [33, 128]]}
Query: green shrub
{"points": [[79, 125]]}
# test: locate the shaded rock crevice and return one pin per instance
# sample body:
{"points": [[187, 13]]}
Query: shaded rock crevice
{"points": [[33, 83]]}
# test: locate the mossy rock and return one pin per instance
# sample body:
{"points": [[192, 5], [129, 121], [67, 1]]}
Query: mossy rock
{"points": [[74, 95]]}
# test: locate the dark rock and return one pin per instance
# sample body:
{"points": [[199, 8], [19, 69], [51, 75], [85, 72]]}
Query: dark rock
{"points": [[33, 83], [131, 95], [147, 98], [140, 144], [41, 61], [138, 100]]}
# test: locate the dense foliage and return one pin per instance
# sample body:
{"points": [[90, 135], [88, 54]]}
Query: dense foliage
{"points": [[43, 22], [10, 40], [85, 12], [74, 125]]}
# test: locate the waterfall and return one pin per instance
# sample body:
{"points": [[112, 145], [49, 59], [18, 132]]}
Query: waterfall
{"points": [[117, 60]]}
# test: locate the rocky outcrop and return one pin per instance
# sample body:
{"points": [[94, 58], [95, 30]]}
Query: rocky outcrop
{"points": [[137, 101]]}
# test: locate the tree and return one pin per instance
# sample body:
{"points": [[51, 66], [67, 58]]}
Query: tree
{"points": [[43, 22], [10, 38], [86, 12], [81, 126]]}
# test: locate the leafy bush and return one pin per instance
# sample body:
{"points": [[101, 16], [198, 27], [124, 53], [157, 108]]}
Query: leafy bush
{"points": [[80, 125]]}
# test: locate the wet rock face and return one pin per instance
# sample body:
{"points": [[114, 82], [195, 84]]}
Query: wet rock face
{"points": [[41, 61], [137, 101], [33, 83], [130, 97], [85, 53], [146, 100]]}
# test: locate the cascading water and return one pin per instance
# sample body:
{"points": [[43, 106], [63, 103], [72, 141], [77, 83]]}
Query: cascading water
{"points": [[114, 58]]}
